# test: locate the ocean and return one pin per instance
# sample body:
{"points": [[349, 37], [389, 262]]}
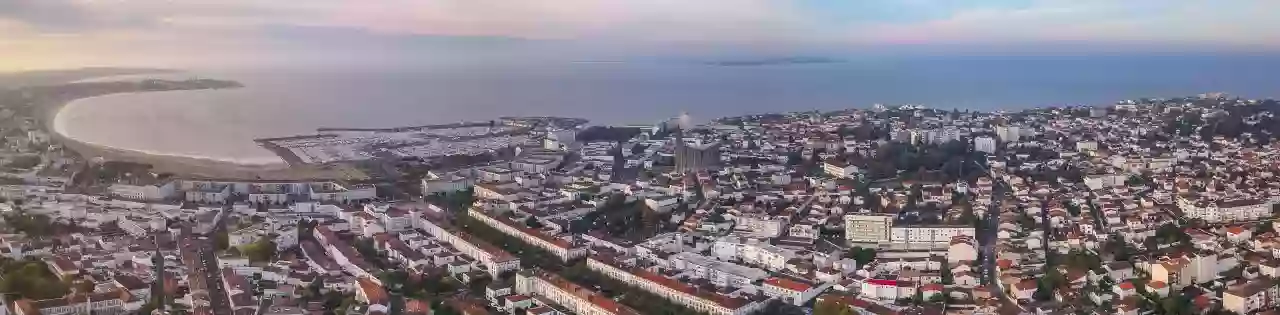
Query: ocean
{"points": [[220, 124]]}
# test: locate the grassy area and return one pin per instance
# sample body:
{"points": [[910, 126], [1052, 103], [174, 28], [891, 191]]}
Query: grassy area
{"points": [[30, 279]]}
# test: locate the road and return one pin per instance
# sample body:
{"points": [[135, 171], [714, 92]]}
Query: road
{"points": [[988, 236], [218, 299]]}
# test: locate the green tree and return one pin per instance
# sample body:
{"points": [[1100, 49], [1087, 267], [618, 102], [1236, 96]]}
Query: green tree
{"points": [[262, 250]]}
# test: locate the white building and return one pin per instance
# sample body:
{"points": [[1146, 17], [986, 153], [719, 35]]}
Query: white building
{"points": [[576, 298], [1224, 210], [144, 192], [562, 248], [791, 291], [839, 168], [719, 273], [674, 290], [867, 227], [929, 234], [984, 144], [495, 259]]}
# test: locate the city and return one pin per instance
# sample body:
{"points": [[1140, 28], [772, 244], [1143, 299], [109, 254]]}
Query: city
{"points": [[1147, 206]]}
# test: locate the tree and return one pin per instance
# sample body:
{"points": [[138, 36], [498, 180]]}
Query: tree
{"points": [[221, 241], [862, 255], [262, 250], [1263, 228], [831, 307], [533, 222], [937, 298]]}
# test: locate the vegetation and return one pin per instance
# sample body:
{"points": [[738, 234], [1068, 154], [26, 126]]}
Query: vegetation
{"points": [[260, 251], [30, 279], [831, 307], [32, 225], [23, 162], [862, 255], [641, 300]]}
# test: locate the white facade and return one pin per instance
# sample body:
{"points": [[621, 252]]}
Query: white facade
{"points": [[719, 273], [152, 192], [867, 227], [578, 299], [495, 259], [675, 291], [937, 234], [984, 144], [563, 249]]}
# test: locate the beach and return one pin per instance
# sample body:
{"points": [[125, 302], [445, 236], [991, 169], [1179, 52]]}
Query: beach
{"points": [[188, 166]]}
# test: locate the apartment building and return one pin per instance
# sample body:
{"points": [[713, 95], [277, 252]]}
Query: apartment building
{"points": [[218, 191], [109, 303], [929, 234], [1223, 210], [492, 257], [157, 191], [578, 299], [564, 249], [761, 225], [867, 227], [719, 273], [674, 290], [752, 252], [839, 168], [1245, 298]]}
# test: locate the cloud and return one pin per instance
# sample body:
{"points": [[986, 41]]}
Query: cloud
{"points": [[1099, 21], [674, 25]]}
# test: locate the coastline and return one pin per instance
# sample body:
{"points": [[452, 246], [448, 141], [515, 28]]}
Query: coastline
{"points": [[185, 165]]}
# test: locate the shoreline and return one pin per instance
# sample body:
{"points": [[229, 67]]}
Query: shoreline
{"points": [[178, 164]]}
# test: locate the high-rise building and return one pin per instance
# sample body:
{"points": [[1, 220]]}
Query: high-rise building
{"points": [[867, 227], [697, 157]]}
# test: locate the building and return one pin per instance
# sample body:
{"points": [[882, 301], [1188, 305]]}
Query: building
{"points": [[673, 290], [144, 191], [839, 168], [578, 299], [867, 227], [760, 225], [108, 303], [1008, 133], [1214, 210], [1251, 296], [697, 156], [984, 144], [929, 234], [719, 273], [565, 249], [791, 291], [494, 259]]}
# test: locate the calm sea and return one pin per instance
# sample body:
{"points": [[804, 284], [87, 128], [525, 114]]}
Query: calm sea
{"points": [[221, 124]]}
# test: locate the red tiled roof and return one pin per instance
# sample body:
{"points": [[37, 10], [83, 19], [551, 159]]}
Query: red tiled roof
{"points": [[788, 284], [372, 291]]}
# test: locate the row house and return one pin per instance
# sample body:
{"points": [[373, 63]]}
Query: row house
{"points": [[674, 290], [492, 257], [564, 249]]}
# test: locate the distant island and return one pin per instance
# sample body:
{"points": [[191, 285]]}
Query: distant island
{"points": [[773, 61]]}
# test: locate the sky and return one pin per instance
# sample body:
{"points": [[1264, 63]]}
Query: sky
{"points": [[37, 34]]}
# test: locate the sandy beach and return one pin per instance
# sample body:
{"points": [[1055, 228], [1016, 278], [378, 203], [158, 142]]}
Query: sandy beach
{"points": [[190, 166]]}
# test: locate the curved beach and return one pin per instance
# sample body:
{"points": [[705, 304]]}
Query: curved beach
{"points": [[191, 166]]}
